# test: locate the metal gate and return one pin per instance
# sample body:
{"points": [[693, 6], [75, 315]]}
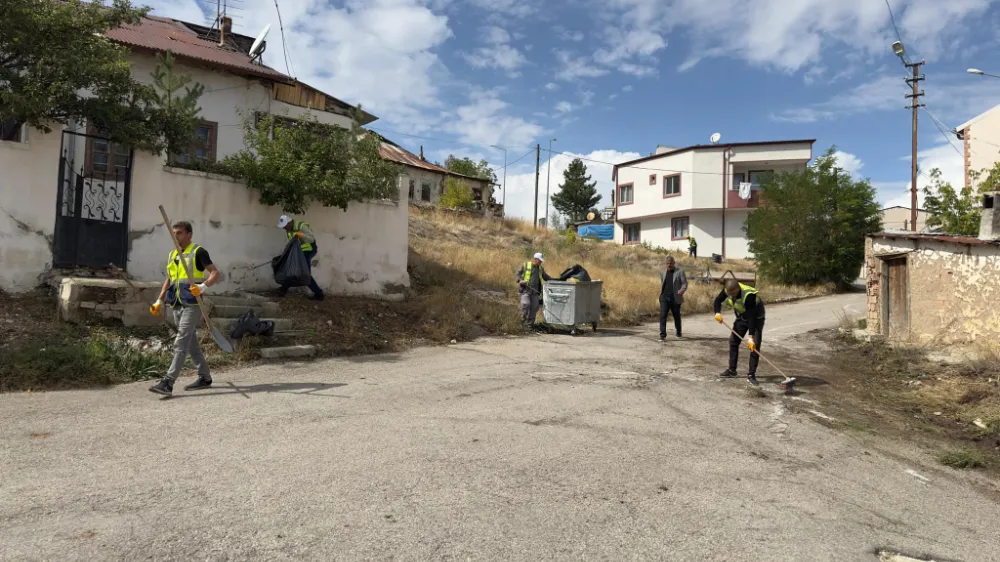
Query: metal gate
{"points": [[95, 180]]}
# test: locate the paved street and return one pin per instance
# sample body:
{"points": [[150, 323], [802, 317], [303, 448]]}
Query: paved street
{"points": [[602, 446]]}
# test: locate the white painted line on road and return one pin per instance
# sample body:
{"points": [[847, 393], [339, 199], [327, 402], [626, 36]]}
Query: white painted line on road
{"points": [[820, 415]]}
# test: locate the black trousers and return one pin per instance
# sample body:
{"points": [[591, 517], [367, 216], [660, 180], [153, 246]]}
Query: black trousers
{"points": [[741, 327], [669, 307], [693, 252]]}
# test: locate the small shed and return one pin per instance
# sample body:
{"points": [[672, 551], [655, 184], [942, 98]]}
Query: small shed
{"points": [[935, 287]]}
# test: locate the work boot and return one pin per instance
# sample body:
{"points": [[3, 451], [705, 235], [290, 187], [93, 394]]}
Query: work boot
{"points": [[201, 383], [752, 379], [163, 388], [318, 297], [728, 374], [663, 339]]}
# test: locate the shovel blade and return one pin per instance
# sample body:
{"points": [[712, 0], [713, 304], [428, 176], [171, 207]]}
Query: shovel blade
{"points": [[220, 340]]}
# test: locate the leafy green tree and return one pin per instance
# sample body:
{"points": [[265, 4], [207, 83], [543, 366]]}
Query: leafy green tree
{"points": [[577, 195], [457, 195], [957, 211], [293, 163], [57, 67], [467, 167], [811, 225]]}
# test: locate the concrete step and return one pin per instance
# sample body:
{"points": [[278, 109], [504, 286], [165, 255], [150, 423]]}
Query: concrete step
{"points": [[226, 324], [288, 352], [235, 300], [265, 309]]}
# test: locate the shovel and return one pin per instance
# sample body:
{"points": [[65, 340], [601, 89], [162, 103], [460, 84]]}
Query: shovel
{"points": [[220, 340], [785, 384]]}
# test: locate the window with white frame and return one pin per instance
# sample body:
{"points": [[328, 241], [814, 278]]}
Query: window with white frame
{"points": [[671, 185], [625, 194], [632, 233], [756, 178], [679, 228]]}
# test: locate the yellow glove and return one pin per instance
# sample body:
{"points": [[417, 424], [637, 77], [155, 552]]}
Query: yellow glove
{"points": [[298, 235], [718, 318], [156, 308], [751, 346], [197, 290]]}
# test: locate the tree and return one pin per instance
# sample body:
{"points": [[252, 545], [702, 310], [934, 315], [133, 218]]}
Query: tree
{"points": [[457, 195], [56, 66], [556, 221], [958, 211], [467, 167], [577, 195], [293, 163], [811, 225]]}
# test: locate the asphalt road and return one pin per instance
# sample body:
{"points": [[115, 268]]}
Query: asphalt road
{"points": [[602, 446]]}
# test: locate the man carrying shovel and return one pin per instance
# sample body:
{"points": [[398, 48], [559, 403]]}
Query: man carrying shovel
{"points": [[749, 309], [180, 295], [529, 281]]}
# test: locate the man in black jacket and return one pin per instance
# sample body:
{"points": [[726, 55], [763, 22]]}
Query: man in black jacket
{"points": [[749, 308], [673, 284]]}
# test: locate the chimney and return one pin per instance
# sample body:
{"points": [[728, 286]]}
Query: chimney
{"points": [[989, 224], [422, 153], [225, 28], [660, 149]]}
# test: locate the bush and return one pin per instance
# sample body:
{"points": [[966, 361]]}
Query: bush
{"points": [[457, 195]]}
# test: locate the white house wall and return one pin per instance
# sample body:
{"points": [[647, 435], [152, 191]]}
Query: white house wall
{"points": [[648, 199], [982, 139], [28, 186]]}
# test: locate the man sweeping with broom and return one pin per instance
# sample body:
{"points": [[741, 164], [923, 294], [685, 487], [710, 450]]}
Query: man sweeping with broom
{"points": [[749, 308]]}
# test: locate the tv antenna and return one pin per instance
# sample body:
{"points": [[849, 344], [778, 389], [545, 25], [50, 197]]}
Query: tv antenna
{"points": [[715, 138], [258, 44]]}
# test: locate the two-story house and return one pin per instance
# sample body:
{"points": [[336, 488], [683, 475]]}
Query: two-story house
{"points": [[662, 198], [980, 138]]}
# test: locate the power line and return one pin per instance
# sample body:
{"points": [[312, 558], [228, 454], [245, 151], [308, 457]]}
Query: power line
{"points": [[509, 164], [895, 28], [636, 167], [943, 128], [284, 45]]}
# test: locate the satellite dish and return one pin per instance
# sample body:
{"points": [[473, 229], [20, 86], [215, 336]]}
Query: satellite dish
{"points": [[715, 138], [591, 215], [258, 44]]}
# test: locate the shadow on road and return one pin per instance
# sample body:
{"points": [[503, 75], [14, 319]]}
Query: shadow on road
{"points": [[226, 389]]}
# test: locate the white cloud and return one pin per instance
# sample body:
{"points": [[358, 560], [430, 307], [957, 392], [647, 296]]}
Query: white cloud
{"points": [[484, 122], [942, 157], [564, 107], [612, 97], [848, 162], [551, 86], [512, 8], [573, 67], [627, 88], [495, 35], [564, 34], [498, 52], [637, 70], [521, 181], [624, 45]]}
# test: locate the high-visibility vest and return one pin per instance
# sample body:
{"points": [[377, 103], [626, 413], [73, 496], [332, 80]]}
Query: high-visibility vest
{"points": [[692, 242], [527, 272], [739, 305], [179, 291], [297, 227]]}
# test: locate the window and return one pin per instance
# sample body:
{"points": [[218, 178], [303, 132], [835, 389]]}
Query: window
{"points": [[679, 228], [632, 232], [652, 179], [425, 191], [103, 157], [201, 147], [12, 130], [737, 180], [413, 187], [625, 194], [672, 185], [757, 177]]}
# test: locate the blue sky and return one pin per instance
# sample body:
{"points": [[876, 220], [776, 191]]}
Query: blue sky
{"points": [[611, 79]]}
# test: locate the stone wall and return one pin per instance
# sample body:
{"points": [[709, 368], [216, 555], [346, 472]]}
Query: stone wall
{"points": [[873, 271], [83, 300]]}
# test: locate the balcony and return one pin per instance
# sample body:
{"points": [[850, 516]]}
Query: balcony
{"points": [[734, 201]]}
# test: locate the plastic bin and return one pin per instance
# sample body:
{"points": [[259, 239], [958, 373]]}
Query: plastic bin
{"points": [[567, 304]]}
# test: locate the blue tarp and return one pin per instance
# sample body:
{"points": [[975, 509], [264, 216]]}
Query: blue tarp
{"points": [[601, 231]]}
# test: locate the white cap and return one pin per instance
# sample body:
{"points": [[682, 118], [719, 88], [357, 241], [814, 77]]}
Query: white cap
{"points": [[539, 257], [283, 221]]}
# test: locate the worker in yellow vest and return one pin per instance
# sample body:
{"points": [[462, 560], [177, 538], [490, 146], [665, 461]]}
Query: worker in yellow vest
{"points": [[529, 282], [692, 247], [179, 294], [301, 230], [748, 306]]}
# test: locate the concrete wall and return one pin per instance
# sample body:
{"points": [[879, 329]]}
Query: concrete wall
{"points": [[28, 187], [982, 139], [951, 288], [898, 218], [648, 199], [705, 226], [361, 251]]}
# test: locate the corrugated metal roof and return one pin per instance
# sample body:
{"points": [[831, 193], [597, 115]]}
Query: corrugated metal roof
{"points": [[937, 237], [164, 34], [396, 153]]}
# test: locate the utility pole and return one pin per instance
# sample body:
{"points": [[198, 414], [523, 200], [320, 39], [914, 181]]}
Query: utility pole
{"points": [[538, 164], [915, 107]]}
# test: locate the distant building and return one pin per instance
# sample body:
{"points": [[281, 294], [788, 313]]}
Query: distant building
{"points": [[980, 138], [898, 218]]}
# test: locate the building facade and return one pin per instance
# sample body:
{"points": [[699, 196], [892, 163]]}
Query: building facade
{"points": [[662, 198], [980, 138]]}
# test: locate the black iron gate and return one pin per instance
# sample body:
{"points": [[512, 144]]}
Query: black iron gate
{"points": [[95, 180]]}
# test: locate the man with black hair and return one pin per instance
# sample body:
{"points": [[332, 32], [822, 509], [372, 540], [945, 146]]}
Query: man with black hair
{"points": [[749, 309]]}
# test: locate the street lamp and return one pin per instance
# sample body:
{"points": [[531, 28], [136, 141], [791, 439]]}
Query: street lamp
{"points": [[897, 48], [503, 201], [915, 95], [548, 179], [981, 73]]}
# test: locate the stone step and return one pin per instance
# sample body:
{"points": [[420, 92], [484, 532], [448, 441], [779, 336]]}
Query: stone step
{"points": [[287, 352], [265, 309], [226, 324], [236, 300]]}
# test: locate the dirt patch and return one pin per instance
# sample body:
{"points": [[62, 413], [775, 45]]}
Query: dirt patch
{"points": [[953, 409]]}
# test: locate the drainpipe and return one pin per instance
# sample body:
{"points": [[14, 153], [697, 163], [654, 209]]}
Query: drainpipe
{"points": [[725, 192]]}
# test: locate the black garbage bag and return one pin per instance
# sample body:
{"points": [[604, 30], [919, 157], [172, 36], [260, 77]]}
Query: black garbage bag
{"points": [[291, 268], [576, 272], [250, 325]]}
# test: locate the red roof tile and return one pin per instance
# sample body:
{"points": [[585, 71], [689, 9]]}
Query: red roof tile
{"points": [[164, 34], [937, 237]]}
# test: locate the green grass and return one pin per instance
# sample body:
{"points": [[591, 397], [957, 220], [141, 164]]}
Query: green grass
{"points": [[961, 459]]}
